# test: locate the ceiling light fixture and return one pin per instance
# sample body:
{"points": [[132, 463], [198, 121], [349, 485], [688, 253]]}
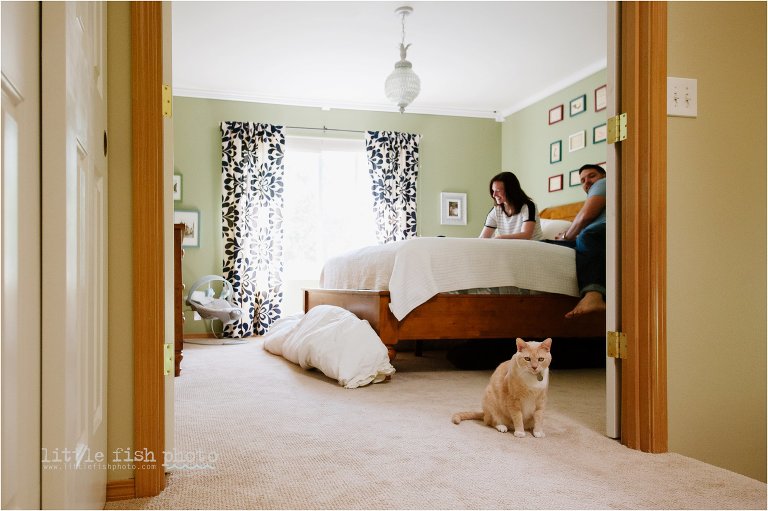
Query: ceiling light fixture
{"points": [[402, 85]]}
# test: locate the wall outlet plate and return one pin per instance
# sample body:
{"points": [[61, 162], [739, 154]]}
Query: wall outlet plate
{"points": [[682, 97]]}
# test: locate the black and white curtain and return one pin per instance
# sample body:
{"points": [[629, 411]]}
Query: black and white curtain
{"points": [[393, 163], [252, 223]]}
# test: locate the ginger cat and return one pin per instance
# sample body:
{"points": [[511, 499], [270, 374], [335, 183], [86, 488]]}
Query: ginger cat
{"points": [[517, 392]]}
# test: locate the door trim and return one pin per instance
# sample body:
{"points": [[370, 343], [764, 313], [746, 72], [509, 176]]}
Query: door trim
{"points": [[148, 247], [643, 242], [643, 189]]}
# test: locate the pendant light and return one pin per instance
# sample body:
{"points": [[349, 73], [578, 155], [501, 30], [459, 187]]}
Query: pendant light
{"points": [[402, 85]]}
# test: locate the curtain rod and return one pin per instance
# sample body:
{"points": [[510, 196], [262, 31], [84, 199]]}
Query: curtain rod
{"points": [[323, 129]]}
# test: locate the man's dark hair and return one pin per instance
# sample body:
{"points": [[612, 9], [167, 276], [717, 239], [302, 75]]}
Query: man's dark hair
{"points": [[590, 166]]}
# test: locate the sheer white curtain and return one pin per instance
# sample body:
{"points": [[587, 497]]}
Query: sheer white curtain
{"points": [[328, 208]]}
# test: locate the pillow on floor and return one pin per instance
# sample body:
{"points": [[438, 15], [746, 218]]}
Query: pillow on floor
{"points": [[333, 340]]}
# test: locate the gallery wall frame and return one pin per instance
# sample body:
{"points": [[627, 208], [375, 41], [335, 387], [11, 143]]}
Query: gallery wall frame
{"points": [[577, 141], [555, 114], [177, 187], [556, 183], [577, 105], [556, 151], [601, 98]]}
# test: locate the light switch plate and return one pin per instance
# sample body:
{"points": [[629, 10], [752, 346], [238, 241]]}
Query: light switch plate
{"points": [[682, 98]]}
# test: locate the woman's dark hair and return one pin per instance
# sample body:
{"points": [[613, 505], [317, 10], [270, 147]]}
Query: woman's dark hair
{"points": [[515, 195]]}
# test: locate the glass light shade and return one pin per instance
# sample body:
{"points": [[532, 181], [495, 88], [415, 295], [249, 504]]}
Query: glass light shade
{"points": [[402, 85]]}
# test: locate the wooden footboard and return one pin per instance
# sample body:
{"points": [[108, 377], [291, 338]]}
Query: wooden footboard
{"points": [[452, 316]]}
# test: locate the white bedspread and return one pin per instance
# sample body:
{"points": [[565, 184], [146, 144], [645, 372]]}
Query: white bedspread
{"points": [[333, 340], [415, 270]]}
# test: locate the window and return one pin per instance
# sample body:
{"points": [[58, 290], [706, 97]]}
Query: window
{"points": [[328, 209]]}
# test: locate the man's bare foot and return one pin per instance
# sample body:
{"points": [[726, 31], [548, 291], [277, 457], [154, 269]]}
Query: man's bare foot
{"points": [[592, 301]]}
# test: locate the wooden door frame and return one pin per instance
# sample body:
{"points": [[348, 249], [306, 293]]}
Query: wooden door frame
{"points": [[642, 184], [643, 195], [148, 245]]}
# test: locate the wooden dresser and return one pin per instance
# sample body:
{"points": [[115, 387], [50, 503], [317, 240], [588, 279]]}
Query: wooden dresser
{"points": [[178, 297]]}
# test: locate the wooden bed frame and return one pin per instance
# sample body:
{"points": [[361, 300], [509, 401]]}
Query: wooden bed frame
{"points": [[459, 316]]}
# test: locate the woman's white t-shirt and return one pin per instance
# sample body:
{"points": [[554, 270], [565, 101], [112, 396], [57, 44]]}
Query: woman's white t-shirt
{"points": [[504, 224]]}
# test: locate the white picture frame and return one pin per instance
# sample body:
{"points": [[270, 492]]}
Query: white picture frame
{"points": [[453, 208], [191, 221], [577, 141], [177, 187]]}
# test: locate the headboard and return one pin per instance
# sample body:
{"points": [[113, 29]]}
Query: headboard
{"points": [[564, 212]]}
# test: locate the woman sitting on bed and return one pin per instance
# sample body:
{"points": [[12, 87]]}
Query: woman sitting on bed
{"points": [[514, 215]]}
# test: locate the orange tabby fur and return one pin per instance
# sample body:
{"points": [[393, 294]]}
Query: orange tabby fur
{"points": [[515, 397]]}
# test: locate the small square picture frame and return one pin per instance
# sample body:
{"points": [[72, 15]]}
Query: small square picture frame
{"points": [[191, 221], [601, 98], [453, 208], [556, 151], [574, 179], [555, 114], [177, 187], [577, 141], [577, 105], [599, 133], [556, 183]]}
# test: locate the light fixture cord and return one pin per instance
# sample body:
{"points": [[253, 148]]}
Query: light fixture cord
{"points": [[402, 20]]}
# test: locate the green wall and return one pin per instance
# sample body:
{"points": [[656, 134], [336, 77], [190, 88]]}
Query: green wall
{"points": [[527, 134], [457, 154]]}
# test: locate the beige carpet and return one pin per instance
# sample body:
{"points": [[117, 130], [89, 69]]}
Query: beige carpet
{"points": [[285, 438]]}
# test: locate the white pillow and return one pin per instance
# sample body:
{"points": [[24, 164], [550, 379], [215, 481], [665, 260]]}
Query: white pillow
{"points": [[550, 228], [333, 340]]}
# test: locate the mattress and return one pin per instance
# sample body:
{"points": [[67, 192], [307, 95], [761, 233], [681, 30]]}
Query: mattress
{"points": [[417, 269]]}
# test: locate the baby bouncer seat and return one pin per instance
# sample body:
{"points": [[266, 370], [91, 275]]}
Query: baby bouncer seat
{"points": [[210, 307]]}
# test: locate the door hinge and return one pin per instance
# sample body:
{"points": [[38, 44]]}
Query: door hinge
{"points": [[617, 128], [167, 359], [617, 345], [167, 101]]}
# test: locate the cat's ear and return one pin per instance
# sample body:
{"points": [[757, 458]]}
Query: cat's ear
{"points": [[547, 343], [520, 344]]}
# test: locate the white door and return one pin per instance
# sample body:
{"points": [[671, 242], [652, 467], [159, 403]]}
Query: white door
{"points": [[613, 289], [74, 192], [20, 204]]}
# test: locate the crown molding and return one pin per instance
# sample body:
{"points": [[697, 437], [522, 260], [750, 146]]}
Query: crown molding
{"points": [[555, 87], [499, 115], [328, 105]]}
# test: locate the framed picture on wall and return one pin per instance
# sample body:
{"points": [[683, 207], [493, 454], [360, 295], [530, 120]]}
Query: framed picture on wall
{"points": [[453, 208], [556, 151], [191, 221], [577, 141], [177, 187], [601, 98], [599, 133], [555, 114], [556, 183], [578, 105], [573, 178]]}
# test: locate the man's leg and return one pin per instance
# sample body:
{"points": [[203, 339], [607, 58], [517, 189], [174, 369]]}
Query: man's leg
{"points": [[590, 270]]}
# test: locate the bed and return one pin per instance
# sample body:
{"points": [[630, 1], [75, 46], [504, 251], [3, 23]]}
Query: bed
{"points": [[412, 290]]}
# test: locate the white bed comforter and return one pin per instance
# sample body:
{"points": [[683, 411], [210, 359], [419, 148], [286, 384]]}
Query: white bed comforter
{"points": [[416, 269], [333, 340]]}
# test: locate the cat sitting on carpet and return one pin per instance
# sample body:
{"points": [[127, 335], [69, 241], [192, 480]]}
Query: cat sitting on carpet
{"points": [[517, 392]]}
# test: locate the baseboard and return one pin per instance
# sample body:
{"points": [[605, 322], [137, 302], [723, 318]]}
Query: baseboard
{"points": [[121, 490]]}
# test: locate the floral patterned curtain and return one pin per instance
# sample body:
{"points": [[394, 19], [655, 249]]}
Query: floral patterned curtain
{"points": [[393, 162], [252, 224]]}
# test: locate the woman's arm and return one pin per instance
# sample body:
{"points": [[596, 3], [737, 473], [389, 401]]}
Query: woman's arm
{"points": [[525, 234], [487, 232]]}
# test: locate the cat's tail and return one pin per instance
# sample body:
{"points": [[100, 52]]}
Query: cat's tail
{"points": [[467, 416]]}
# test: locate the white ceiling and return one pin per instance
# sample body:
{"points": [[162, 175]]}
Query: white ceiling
{"points": [[478, 59]]}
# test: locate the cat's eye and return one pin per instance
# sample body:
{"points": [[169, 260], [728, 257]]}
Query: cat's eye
{"points": [[541, 359], [527, 359]]}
